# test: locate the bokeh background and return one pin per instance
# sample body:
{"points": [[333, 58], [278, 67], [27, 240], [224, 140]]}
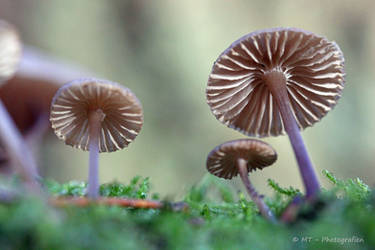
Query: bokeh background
{"points": [[164, 50]]}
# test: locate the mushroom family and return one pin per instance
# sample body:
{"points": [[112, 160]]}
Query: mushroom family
{"points": [[96, 115], [274, 81], [265, 84], [241, 157], [10, 138]]}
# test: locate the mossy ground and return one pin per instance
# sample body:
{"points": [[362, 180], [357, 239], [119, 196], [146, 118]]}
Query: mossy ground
{"points": [[217, 218]]}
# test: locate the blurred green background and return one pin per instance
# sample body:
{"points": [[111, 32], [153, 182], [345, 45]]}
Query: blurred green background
{"points": [[163, 51]]}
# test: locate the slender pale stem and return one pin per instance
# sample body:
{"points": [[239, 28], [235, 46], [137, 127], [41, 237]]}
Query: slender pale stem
{"points": [[263, 208], [17, 150], [95, 118], [276, 82]]}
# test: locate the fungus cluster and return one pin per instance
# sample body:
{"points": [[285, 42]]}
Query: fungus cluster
{"points": [[274, 81], [267, 83]]}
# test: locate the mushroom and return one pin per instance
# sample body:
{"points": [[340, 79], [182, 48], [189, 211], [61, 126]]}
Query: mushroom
{"points": [[11, 139], [241, 157], [36, 81], [277, 80], [10, 51], [96, 115], [28, 94]]}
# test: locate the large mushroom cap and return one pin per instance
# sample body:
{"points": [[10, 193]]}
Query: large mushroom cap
{"points": [[10, 51], [222, 160], [123, 115], [313, 68]]}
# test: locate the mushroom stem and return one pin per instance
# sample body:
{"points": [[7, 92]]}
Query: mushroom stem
{"points": [[263, 208], [277, 83], [95, 118], [16, 148]]}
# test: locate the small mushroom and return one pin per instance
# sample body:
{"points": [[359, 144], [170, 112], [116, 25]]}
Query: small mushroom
{"points": [[241, 157], [96, 115], [11, 139], [277, 80]]}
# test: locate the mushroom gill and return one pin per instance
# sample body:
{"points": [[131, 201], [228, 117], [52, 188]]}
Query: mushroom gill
{"points": [[238, 93]]}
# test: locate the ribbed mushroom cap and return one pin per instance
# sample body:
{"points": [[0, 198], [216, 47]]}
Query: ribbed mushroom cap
{"points": [[313, 68], [10, 51], [71, 105], [222, 160]]}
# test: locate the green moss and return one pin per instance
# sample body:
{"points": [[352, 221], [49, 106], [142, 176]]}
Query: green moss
{"points": [[224, 220]]}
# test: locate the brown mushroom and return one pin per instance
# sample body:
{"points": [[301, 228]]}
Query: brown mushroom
{"points": [[28, 94], [274, 80], [11, 139], [96, 115], [241, 157]]}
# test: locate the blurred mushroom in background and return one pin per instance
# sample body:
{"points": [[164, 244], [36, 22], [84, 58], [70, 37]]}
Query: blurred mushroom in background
{"points": [[13, 145], [28, 95]]}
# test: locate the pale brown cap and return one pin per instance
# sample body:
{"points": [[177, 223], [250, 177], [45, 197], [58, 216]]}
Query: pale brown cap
{"points": [[123, 115], [10, 51], [313, 68], [222, 160], [33, 97]]}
